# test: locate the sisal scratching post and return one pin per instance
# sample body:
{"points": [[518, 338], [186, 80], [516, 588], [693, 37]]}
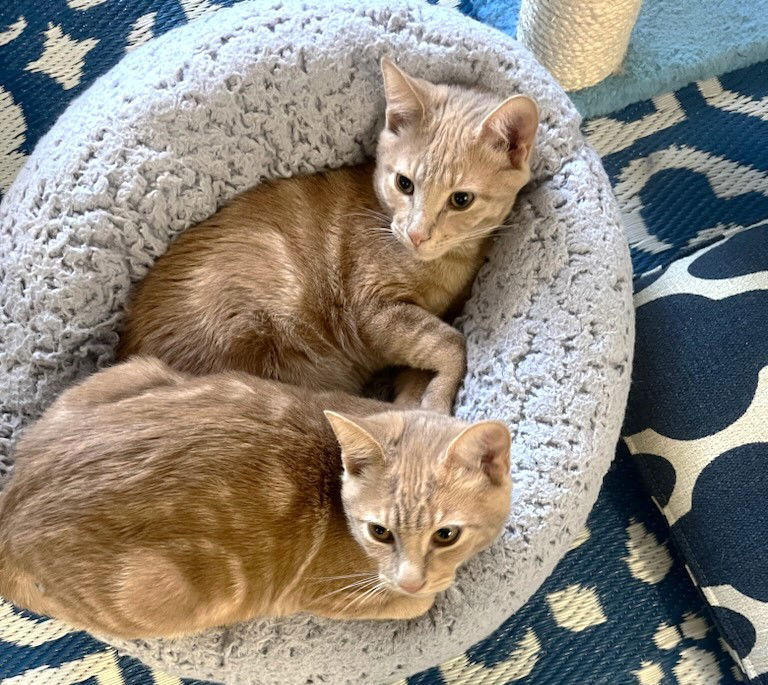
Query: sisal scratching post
{"points": [[579, 41]]}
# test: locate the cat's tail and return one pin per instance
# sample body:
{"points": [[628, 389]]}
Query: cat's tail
{"points": [[16, 586], [8, 580], [9, 585]]}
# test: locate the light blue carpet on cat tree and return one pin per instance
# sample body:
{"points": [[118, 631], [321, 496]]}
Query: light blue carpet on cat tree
{"points": [[673, 43]]}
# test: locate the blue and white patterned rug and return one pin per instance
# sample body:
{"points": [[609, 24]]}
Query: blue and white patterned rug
{"points": [[619, 608], [688, 167]]}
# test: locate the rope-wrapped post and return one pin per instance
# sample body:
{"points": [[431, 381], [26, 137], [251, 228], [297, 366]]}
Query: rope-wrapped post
{"points": [[579, 41]]}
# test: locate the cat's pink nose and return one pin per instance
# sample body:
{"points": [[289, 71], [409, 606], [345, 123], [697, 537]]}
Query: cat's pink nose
{"points": [[417, 238]]}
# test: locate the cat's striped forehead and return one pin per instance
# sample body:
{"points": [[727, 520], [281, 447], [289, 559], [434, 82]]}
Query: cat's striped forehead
{"points": [[417, 484], [412, 499], [449, 141]]}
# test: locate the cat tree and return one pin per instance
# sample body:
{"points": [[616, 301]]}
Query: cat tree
{"points": [[260, 91], [580, 42]]}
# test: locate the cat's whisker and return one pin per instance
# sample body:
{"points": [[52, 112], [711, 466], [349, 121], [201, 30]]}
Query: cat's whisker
{"points": [[489, 230], [479, 233], [381, 589], [366, 595], [370, 214], [357, 586], [379, 232], [331, 594], [378, 229], [504, 230], [361, 582], [349, 575], [470, 235], [375, 212], [460, 240], [356, 592]]}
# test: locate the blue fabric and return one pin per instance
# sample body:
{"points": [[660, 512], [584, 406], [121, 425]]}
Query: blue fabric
{"points": [[669, 329], [502, 14]]}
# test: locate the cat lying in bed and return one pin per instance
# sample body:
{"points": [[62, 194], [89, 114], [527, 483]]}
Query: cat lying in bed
{"points": [[147, 502], [323, 280]]}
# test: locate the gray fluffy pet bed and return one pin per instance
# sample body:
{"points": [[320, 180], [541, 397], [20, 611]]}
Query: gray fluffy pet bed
{"points": [[266, 90]]}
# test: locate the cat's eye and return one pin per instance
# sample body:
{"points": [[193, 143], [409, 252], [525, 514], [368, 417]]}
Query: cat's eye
{"points": [[404, 184], [461, 199], [380, 533], [446, 536]]}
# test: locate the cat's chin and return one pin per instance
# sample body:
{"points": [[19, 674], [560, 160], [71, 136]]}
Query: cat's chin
{"points": [[423, 594], [426, 594], [422, 255], [435, 254]]}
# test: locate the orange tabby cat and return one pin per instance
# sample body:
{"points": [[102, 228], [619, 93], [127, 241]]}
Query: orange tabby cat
{"points": [[322, 280], [147, 502]]}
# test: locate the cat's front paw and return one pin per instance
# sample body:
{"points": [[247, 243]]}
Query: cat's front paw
{"points": [[441, 393], [441, 405], [410, 386]]}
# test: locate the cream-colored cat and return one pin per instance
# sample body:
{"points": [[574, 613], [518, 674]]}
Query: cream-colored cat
{"points": [[323, 280], [146, 502]]}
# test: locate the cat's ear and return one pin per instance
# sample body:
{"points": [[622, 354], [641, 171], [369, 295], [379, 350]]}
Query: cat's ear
{"points": [[406, 96], [485, 446], [511, 128], [359, 449]]}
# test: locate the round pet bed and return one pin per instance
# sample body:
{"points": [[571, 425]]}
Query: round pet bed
{"points": [[266, 90]]}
